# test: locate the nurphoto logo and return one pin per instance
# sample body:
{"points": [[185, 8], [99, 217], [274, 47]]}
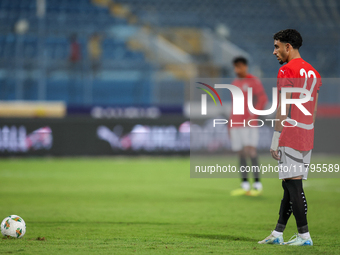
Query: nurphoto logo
{"points": [[238, 103]]}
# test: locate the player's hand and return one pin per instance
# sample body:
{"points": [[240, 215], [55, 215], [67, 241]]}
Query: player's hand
{"points": [[275, 145], [275, 154]]}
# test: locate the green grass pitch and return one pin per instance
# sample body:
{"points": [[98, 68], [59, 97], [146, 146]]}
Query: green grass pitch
{"points": [[151, 206]]}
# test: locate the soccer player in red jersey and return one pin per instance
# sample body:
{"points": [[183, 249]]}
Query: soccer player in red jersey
{"points": [[244, 139], [292, 142]]}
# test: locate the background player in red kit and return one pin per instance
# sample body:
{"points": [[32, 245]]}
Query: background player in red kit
{"points": [[292, 145], [244, 139]]}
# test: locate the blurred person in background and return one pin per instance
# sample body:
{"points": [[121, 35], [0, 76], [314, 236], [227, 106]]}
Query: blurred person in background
{"points": [[75, 54], [74, 65], [244, 139], [94, 49]]}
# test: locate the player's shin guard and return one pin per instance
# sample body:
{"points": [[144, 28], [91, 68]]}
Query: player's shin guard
{"points": [[243, 164], [254, 162], [299, 204], [285, 209]]}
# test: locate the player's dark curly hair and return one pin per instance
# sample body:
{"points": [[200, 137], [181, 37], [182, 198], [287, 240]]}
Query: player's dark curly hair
{"points": [[240, 59], [290, 36]]}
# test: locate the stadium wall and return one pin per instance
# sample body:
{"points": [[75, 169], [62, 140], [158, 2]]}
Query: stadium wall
{"points": [[88, 136]]}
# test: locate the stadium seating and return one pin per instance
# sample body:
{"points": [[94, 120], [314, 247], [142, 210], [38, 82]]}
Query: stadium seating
{"points": [[251, 25], [47, 45]]}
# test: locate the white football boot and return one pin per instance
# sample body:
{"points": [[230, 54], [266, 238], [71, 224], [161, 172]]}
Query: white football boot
{"points": [[272, 239], [297, 240]]}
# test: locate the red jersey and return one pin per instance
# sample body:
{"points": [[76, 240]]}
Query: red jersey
{"points": [[259, 100], [299, 134]]}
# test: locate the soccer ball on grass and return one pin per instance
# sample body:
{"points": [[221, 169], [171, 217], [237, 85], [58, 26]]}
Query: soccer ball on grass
{"points": [[13, 226]]}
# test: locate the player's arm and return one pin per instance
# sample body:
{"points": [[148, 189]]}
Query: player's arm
{"points": [[316, 106], [278, 128]]}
